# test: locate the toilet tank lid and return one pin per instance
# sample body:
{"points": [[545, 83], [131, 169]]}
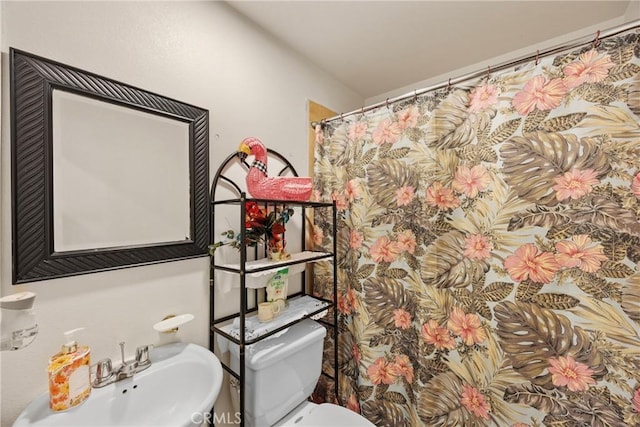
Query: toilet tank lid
{"points": [[272, 349]]}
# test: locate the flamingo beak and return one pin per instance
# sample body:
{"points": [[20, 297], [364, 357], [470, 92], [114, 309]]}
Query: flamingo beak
{"points": [[243, 151]]}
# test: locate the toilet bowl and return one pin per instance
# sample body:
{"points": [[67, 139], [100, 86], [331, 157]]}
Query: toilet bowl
{"points": [[281, 372], [309, 414]]}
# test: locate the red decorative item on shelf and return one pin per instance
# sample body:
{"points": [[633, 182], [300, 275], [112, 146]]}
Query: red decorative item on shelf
{"points": [[262, 186], [261, 225]]}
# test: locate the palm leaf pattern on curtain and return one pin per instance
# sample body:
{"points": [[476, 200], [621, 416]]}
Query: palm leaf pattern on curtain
{"points": [[489, 247]]}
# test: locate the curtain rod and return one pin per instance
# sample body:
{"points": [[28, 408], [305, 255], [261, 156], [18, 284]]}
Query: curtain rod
{"points": [[611, 32]]}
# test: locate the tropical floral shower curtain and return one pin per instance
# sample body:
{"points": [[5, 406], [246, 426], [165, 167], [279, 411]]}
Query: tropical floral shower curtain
{"points": [[489, 247]]}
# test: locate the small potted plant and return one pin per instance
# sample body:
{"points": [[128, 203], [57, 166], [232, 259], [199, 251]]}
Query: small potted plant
{"points": [[260, 226]]}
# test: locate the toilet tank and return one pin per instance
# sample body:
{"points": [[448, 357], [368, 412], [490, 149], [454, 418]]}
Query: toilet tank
{"points": [[280, 371]]}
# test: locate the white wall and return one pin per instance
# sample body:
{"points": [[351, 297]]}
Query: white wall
{"points": [[632, 13], [202, 53]]}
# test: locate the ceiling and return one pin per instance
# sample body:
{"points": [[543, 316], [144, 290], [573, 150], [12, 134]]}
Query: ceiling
{"points": [[375, 47]]}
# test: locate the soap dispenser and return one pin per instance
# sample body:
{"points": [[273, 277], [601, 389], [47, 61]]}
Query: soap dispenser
{"points": [[69, 374]]}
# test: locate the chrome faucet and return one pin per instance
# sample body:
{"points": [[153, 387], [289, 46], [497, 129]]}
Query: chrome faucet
{"points": [[105, 374]]}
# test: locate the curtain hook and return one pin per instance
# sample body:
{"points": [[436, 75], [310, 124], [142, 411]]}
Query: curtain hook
{"points": [[537, 56], [488, 71], [362, 110], [341, 116], [415, 95], [387, 102], [596, 41], [449, 85]]}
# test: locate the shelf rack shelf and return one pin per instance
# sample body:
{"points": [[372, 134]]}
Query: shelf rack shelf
{"points": [[297, 310], [261, 267]]}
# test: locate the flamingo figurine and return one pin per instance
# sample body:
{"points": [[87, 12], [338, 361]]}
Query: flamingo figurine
{"points": [[262, 186]]}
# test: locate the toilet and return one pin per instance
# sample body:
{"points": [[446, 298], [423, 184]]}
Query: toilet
{"points": [[281, 372]]}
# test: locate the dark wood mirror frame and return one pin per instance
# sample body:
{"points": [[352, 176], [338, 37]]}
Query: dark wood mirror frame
{"points": [[33, 80]]}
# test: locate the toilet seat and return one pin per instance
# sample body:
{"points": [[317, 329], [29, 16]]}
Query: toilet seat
{"points": [[326, 414]]}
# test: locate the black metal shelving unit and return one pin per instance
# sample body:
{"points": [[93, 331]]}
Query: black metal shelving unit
{"points": [[244, 269]]}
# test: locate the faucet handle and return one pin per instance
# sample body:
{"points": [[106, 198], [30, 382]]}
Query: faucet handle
{"points": [[104, 372], [142, 356]]}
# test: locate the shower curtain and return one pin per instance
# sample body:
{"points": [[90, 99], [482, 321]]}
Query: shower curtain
{"points": [[489, 247]]}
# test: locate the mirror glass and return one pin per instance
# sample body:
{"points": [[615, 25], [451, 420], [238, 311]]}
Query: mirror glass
{"points": [[120, 175]]}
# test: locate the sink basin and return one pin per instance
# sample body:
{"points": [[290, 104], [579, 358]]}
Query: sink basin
{"points": [[179, 389]]}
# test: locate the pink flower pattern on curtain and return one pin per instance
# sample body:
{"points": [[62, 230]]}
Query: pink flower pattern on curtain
{"points": [[489, 247]]}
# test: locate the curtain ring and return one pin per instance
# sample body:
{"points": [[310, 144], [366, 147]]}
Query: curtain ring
{"points": [[415, 95], [362, 110], [387, 102], [596, 41], [341, 116], [537, 56], [449, 85], [488, 71]]}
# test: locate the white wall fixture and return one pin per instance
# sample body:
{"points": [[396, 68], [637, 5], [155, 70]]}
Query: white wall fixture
{"points": [[18, 321], [171, 323]]}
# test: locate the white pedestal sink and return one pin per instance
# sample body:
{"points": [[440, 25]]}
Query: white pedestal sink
{"points": [[179, 389]]}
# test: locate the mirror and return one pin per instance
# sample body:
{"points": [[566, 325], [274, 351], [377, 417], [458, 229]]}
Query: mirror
{"points": [[108, 190], [105, 175]]}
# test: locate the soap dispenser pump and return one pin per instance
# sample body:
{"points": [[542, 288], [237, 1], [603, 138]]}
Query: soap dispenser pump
{"points": [[69, 374]]}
